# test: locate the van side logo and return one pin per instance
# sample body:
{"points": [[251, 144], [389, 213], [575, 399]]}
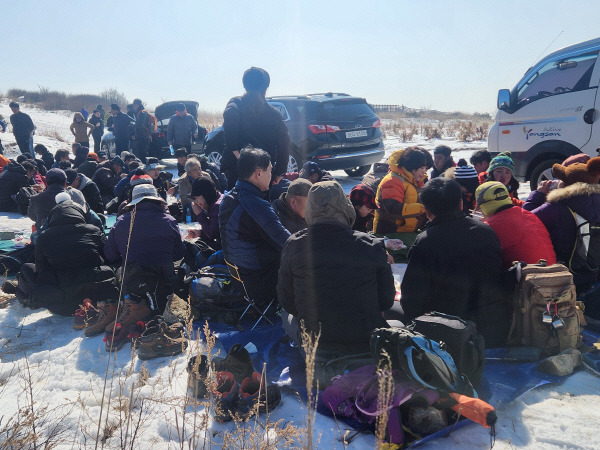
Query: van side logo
{"points": [[547, 132]]}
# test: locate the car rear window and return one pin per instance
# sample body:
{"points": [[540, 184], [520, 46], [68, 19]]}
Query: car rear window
{"points": [[345, 111]]}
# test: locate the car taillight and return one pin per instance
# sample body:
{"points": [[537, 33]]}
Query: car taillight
{"points": [[320, 129], [377, 123]]}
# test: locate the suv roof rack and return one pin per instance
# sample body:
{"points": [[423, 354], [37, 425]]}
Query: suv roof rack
{"points": [[331, 94], [275, 97]]}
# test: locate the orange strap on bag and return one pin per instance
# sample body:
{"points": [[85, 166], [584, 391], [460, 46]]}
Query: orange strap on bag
{"points": [[474, 409]]}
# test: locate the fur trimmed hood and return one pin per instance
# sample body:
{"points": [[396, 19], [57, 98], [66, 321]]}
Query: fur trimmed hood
{"points": [[572, 191]]}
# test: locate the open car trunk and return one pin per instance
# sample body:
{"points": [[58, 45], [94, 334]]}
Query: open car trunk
{"points": [[166, 110]]}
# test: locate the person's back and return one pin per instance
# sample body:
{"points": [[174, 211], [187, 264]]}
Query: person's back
{"points": [[455, 266], [334, 278], [41, 204], [12, 178], [523, 237], [250, 120]]}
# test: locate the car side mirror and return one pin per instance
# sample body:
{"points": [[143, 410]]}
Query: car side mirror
{"points": [[504, 99]]}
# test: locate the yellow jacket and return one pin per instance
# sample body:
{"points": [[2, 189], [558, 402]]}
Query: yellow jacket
{"points": [[397, 198]]}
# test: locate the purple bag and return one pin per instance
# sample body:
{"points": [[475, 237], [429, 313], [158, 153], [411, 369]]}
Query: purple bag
{"points": [[354, 395]]}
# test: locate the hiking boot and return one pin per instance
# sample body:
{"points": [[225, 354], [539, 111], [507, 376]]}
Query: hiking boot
{"points": [[9, 287], [106, 315], [116, 342], [168, 340], [135, 332], [85, 316], [225, 395], [238, 362], [198, 375], [255, 389], [130, 313]]}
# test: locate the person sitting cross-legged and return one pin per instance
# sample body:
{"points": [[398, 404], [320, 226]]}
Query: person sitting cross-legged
{"points": [[336, 280], [252, 235], [455, 266]]}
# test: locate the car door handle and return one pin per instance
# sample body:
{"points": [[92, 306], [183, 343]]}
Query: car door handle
{"points": [[589, 116]]}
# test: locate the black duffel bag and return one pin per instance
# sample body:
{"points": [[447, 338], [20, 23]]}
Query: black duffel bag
{"points": [[460, 339]]}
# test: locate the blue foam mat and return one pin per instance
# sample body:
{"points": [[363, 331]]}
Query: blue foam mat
{"points": [[502, 383]]}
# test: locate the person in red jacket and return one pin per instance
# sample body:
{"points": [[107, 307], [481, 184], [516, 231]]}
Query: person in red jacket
{"points": [[523, 237]]}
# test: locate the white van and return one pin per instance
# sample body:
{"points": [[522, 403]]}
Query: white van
{"points": [[551, 113]]}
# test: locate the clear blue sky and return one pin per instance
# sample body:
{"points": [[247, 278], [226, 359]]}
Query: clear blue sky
{"points": [[446, 55]]}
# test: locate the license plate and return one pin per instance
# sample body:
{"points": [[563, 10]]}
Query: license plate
{"points": [[355, 134]]}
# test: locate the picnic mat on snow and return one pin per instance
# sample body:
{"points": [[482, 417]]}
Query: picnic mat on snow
{"points": [[503, 381]]}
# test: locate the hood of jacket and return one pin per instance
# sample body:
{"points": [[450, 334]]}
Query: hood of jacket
{"points": [[15, 167], [78, 115], [66, 213], [84, 180], [393, 163], [572, 191], [327, 203]]}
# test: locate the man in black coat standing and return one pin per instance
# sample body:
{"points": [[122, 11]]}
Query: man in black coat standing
{"points": [[250, 120], [22, 127], [121, 131], [455, 266], [142, 130]]}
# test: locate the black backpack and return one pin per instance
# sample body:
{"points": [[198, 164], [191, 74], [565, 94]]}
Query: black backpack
{"points": [[459, 338], [23, 198], [585, 256]]}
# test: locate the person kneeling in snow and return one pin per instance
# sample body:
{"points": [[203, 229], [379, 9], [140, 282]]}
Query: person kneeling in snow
{"points": [[455, 266], [148, 247], [336, 280], [69, 263]]}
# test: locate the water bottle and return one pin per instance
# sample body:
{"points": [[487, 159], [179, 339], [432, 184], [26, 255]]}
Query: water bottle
{"points": [[188, 216], [172, 150]]}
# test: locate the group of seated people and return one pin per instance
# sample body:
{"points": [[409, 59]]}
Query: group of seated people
{"points": [[300, 239]]}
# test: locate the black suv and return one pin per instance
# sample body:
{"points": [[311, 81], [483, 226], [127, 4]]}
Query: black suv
{"points": [[336, 130]]}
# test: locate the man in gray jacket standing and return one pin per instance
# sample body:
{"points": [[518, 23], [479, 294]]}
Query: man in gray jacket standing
{"points": [[182, 127]]}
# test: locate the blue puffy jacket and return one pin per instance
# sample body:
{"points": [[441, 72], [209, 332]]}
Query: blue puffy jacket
{"points": [[251, 234]]}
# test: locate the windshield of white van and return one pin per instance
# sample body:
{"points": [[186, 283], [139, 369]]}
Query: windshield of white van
{"points": [[558, 77]]}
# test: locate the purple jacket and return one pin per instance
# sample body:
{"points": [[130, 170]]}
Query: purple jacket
{"points": [[155, 238], [210, 224], [553, 211]]}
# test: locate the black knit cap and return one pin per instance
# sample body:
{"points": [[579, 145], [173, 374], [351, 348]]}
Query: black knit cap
{"points": [[205, 187]]}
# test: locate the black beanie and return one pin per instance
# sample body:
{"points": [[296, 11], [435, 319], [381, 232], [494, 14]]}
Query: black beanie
{"points": [[205, 187]]}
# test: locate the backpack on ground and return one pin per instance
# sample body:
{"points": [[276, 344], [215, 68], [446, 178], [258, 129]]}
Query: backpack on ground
{"points": [[544, 309], [23, 199], [585, 257], [213, 294], [421, 359], [459, 337]]}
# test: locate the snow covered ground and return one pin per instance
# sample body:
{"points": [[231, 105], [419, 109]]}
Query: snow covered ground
{"points": [[53, 377]]}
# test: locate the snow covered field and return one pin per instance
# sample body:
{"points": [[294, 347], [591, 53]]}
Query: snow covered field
{"points": [[53, 377]]}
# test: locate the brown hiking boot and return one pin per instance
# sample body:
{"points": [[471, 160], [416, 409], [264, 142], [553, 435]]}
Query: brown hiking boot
{"points": [[130, 313], [106, 315], [167, 340]]}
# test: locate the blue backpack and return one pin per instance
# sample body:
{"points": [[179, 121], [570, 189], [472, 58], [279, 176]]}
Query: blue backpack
{"points": [[421, 359]]}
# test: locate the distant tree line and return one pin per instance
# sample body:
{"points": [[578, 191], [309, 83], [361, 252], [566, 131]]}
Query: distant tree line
{"points": [[55, 100]]}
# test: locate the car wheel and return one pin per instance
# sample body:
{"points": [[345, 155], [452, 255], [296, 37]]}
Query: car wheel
{"points": [[215, 158], [358, 171], [542, 172]]}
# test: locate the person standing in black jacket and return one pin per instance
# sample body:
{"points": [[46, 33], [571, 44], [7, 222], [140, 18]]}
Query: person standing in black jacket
{"points": [[250, 120], [455, 266], [142, 131], [98, 130], [120, 125], [22, 125]]}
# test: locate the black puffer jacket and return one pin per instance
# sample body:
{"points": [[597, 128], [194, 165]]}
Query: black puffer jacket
{"points": [[12, 178], [455, 267], [69, 260], [339, 280], [247, 120]]}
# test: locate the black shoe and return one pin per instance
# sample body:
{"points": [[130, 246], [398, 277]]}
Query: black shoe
{"points": [[9, 287], [198, 375], [238, 362]]}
